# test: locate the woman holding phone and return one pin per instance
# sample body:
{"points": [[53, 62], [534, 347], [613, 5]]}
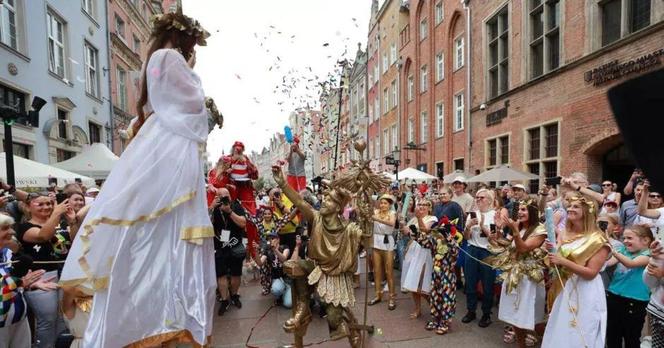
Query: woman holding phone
{"points": [[477, 231]]}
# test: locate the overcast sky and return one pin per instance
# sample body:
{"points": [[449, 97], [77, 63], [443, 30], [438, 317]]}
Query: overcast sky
{"points": [[235, 68]]}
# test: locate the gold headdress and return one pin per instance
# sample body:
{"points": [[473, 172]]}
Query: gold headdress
{"points": [[589, 203], [181, 22]]}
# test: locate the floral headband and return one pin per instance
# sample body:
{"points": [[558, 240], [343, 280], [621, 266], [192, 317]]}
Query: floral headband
{"points": [[583, 200], [179, 21], [528, 202]]}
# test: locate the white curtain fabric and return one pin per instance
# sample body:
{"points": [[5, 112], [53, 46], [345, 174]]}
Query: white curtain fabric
{"points": [[145, 245]]}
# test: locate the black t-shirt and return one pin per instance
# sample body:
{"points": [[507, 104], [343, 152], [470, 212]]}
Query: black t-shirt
{"points": [[222, 221], [54, 250], [276, 266]]}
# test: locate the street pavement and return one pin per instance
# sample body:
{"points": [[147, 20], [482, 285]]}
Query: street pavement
{"points": [[394, 329]]}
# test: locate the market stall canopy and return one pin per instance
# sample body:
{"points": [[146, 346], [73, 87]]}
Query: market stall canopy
{"points": [[453, 175], [34, 174], [388, 175], [503, 173], [95, 161], [414, 174]]}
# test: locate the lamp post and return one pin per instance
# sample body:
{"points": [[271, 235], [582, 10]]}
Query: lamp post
{"points": [[342, 64]]}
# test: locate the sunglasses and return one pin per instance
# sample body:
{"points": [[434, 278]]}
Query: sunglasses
{"points": [[34, 195], [654, 195], [606, 185]]}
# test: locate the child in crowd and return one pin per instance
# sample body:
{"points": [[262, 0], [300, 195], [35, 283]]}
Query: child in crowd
{"points": [[610, 224], [653, 277], [627, 295]]}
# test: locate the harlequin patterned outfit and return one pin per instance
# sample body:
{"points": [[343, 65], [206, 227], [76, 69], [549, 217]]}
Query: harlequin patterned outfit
{"points": [[444, 249]]}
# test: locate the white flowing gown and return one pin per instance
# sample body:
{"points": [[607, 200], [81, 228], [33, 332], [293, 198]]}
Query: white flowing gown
{"points": [[146, 244]]}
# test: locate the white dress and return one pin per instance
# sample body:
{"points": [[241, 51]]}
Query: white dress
{"points": [[146, 244], [417, 264], [587, 298], [524, 306]]}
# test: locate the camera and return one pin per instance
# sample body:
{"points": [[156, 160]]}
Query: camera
{"points": [[556, 180], [603, 225], [225, 200], [10, 198]]}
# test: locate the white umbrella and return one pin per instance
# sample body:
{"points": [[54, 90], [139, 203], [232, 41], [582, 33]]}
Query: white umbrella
{"points": [[503, 173], [414, 174], [95, 161], [388, 175], [34, 174], [453, 175]]}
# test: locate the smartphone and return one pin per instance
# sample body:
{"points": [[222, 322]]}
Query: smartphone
{"points": [[413, 230], [52, 181], [78, 180], [553, 181], [492, 227], [60, 197], [514, 214], [473, 215]]}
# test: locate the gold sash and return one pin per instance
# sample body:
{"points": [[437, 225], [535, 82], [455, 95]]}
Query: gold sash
{"points": [[580, 255]]}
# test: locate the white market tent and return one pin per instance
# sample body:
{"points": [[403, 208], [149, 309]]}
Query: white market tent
{"points": [[95, 161], [414, 174], [503, 173], [34, 174], [388, 175], [453, 175]]}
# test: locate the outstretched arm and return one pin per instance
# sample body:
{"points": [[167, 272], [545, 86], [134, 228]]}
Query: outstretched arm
{"points": [[302, 206]]}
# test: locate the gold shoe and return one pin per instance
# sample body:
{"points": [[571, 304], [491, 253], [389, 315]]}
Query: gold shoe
{"points": [[297, 322]]}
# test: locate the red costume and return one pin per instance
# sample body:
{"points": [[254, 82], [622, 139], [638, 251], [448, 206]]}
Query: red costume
{"points": [[238, 181]]}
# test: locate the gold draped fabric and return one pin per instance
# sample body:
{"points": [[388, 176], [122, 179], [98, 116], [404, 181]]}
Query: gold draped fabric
{"points": [[580, 255], [335, 255], [515, 265]]}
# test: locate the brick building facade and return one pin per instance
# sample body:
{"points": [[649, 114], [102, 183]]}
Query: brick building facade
{"points": [[540, 73], [434, 79]]}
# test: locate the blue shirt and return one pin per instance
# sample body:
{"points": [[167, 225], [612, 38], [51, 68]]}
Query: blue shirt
{"points": [[452, 210], [628, 282]]}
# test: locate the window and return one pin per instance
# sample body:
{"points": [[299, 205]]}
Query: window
{"points": [[376, 107], [458, 164], [91, 71], [376, 73], [395, 97], [542, 154], [12, 98], [386, 100], [411, 87], [370, 114], [122, 89], [424, 127], [361, 101], [56, 44], [498, 31], [63, 155], [8, 32], [458, 53], [544, 36], [498, 151], [440, 121], [119, 27], [395, 141], [137, 45], [95, 132], [386, 64], [393, 53], [411, 130], [424, 28], [21, 150], [88, 7], [386, 142], [623, 17], [439, 67], [424, 79], [439, 12], [458, 112], [63, 119]]}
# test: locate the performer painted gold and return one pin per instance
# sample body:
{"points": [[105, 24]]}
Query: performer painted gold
{"points": [[332, 252]]}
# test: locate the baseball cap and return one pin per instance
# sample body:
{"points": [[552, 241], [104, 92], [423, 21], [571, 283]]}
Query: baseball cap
{"points": [[518, 186], [92, 190], [460, 179]]}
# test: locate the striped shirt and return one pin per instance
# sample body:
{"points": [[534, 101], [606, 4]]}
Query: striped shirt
{"points": [[13, 306]]}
